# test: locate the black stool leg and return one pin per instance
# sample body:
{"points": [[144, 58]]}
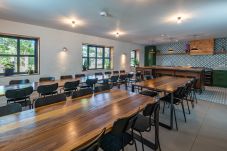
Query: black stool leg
{"points": [[182, 104]]}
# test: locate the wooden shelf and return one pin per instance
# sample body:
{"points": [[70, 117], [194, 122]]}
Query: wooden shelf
{"points": [[171, 53]]}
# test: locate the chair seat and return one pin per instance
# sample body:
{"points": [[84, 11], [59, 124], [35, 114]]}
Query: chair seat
{"points": [[167, 98], [54, 92], [149, 93], [142, 123], [112, 142]]}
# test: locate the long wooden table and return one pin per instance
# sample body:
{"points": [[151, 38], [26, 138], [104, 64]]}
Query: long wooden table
{"points": [[4, 88], [67, 125], [167, 84]]}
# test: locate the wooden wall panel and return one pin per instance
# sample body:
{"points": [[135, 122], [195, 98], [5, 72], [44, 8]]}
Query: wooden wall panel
{"points": [[205, 47]]}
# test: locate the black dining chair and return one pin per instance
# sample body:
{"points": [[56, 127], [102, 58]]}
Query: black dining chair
{"points": [[108, 72], [21, 96], [114, 81], [115, 72], [119, 136], [178, 98], [90, 83], [25, 81], [49, 89], [102, 88], [148, 119], [10, 109], [94, 144], [123, 80], [69, 87], [46, 79], [82, 92], [65, 77], [98, 73], [49, 100], [122, 71], [79, 75]]}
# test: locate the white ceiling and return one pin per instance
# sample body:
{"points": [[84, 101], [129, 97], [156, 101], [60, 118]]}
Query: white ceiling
{"points": [[138, 21]]}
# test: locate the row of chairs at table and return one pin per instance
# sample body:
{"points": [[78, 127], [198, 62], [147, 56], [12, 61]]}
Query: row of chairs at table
{"points": [[22, 95], [186, 93]]}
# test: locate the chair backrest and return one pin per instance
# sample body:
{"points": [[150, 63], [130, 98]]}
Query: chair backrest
{"points": [[82, 92], [114, 78], [123, 77], [45, 79], [102, 88], [94, 144], [18, 94], [130, 75], [10, 109], [66, 77], [150, 108], [19, 81], [71, 85], [79, 75], [49, 100], [91, 82], [122, 71], [123, 124], [115, 72], [98, 73], [108, 72], [47, 89]]}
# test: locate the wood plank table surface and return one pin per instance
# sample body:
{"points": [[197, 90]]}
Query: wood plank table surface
{"points": [[67, 125], [4, 88], [167, 84]]}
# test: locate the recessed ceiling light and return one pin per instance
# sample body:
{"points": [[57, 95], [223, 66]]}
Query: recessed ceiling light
{"points": [[73, 24], [103, 13], [179, 20]]}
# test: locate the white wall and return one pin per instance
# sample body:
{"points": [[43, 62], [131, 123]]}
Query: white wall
{"points": [[53, 62]]}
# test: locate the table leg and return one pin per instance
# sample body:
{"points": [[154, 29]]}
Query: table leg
{"points": [[170, 126], [171, 112]]}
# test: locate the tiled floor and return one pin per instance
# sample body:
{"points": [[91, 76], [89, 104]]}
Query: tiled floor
{"points": [[214, 94]]}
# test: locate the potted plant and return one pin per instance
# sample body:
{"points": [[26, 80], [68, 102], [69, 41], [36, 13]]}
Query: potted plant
{"points": [[136, 62], [84, 66], [30, 70], [9, 69]]}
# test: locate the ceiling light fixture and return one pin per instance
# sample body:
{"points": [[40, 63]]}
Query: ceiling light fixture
{"points": [[73, 24], [117, 34], [103, 14], [179, 20]]}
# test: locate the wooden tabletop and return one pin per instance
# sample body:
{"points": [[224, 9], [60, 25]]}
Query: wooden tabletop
{"points": [[166, 83], [4, 88], [66, 125]]}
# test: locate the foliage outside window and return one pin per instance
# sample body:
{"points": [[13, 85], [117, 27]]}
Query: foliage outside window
{"points": [[96, 57], [133, 59], [20, 52]]}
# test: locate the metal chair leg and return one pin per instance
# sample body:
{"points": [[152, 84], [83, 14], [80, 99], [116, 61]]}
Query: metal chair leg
{"points": [[174, 112], [182, 104], [141, 137], [163, 109], [188, 106]]}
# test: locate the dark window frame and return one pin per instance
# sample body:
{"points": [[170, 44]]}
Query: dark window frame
{"points": [[18, 55], [96, 56]]}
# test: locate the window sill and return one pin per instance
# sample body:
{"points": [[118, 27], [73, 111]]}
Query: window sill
{"points": [[18, 75]]}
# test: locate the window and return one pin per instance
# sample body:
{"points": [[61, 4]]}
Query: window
{"points": [[133, 58], [96, 57], [20, 52]]}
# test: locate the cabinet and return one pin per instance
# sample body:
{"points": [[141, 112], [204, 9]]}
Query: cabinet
{"points": [[150, 56], [220, 78]]}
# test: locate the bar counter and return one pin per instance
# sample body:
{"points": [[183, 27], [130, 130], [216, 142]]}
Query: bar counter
{"points": [[179, 71]]}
